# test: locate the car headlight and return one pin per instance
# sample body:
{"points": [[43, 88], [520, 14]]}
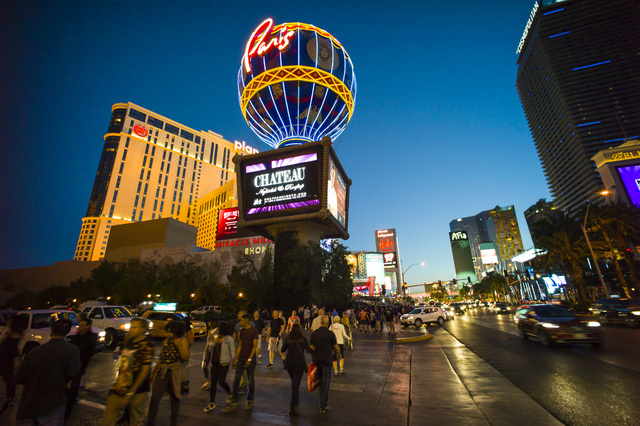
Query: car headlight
{"points": [[410, 317], [101, 336], [150, 325], [636, 312], [593, 324], [549, 325], [126, 326]]}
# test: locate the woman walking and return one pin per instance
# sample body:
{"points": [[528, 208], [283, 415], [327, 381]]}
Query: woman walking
{"points": [[341, 337], [295, 363], [206, 355], [167, 376], [221, 355]]}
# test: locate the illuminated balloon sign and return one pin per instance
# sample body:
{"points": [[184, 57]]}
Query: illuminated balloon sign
{"points": [[296, 84]]}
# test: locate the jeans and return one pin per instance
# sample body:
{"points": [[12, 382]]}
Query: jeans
{"points": [[53, 418], [240, 368], [296, 378], [325, 383], [218, 377], [160, 386]]}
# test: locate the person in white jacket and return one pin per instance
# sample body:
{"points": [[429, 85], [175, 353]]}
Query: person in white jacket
{"points": [[222, 354], [341, 337]]}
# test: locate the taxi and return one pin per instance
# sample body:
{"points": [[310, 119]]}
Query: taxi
{"points": [[161, 318]]}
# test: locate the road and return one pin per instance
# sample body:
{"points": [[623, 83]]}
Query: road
{"points": [[578, 384]]}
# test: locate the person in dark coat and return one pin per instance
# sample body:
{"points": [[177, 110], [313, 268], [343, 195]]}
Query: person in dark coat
{"points": [[295, 363], [86, 341], [10, 357]]}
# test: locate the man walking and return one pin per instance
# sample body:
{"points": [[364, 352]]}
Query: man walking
{"points": [[86, 341], [389, 317], [276, 328], [323, 343], [132, 384], [45, 373], [316, 321], [244, 360]]}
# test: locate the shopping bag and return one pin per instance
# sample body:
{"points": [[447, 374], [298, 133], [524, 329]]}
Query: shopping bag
{"points": [[313, 377]]}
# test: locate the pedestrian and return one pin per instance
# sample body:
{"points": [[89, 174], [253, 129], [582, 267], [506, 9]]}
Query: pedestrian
{"points": [[236, 334], [45, 374], [316, 321], [206, 354], [10, 358], [378, 319], [293, 319], [132, 383], [389, 319], [344, 320], [259, 325], [244, 359], [222, 353], [306, 316], [274, 334], [341, 336], [167, 375], [296, 365], [364, 320], [323, 344], [353, 322], [86, 341]]}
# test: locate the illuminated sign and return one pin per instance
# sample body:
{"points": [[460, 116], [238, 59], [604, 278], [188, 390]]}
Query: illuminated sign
{"points": [[140, 131], [460, 235], [630, 177], [386, 244], [488, 253], [258, 46], [389, 259], [243, 147], [282, 184], [532, 16], [337, 194], [227, 223], [166, 307]]}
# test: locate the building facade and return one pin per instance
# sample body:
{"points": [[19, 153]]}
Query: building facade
{"points": [[503, 230], [476, 231], [536, 212], [578, 84], [150, 166]]}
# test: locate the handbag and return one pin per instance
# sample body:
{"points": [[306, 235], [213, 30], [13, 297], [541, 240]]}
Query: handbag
{"points": [[313, 378]]}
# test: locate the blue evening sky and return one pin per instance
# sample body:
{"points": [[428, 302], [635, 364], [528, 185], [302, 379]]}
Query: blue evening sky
{"points": [[438, 130]]}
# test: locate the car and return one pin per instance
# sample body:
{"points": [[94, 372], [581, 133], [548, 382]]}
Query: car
{"points": [[555, 324], [39, 328], [458, 308], [161, 318], [447, 314], [421, 316], [114, 319], [617, 311], [204, 309], [500, 308]]}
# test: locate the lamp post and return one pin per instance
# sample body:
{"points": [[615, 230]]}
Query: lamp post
{"points": [[593, 255], [405, 271]]}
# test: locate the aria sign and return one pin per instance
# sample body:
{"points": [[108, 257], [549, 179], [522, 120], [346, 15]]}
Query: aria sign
{"points": [[458, 236]]}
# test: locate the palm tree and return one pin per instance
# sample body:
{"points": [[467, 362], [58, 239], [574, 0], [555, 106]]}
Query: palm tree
{"points": [[560, 235]]}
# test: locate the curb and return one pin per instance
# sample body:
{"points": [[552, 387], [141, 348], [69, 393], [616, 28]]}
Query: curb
{"points": [[413, 339]]}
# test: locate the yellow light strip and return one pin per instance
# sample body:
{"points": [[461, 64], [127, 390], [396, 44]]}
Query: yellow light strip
{"points": [[295, 73], [307, 27]]}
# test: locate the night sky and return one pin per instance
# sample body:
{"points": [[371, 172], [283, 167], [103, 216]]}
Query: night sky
{"points": [[438, 130]]}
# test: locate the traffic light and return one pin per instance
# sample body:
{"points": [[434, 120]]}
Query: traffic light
{"points": [[628, 254], [469, 280], [454, 281], [384, 290]]}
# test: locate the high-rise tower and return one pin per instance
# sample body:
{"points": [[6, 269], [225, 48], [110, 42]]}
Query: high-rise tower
{"points": [[579, 86], [150, 166]]}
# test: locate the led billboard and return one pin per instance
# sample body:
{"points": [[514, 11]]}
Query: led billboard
{"points": [[462, 259], [630, 177], [227, 223], [488, 253], [337, 194]]}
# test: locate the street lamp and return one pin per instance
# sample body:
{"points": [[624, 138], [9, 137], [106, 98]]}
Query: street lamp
{"points": [[593, 255], [405, 271]]}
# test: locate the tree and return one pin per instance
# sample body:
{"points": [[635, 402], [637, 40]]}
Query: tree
{"points": [[494, 284], [465, 291]]}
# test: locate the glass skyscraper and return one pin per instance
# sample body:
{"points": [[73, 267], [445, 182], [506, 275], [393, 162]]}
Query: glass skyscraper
{"points": [[579, 84]]}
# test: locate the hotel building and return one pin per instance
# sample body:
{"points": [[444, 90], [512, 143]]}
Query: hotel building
{"points": [[578, 84], [151, 167]]}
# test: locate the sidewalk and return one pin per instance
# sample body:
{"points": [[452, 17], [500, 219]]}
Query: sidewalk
{"points": [[430, 382]]}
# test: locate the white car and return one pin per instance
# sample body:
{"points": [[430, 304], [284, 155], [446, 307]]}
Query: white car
{"points": [[426, 315], [114, 319], [39, 328]]}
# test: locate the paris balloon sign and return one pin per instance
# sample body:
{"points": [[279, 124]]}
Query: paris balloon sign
{"points": [[297, 183], [296, 84]]}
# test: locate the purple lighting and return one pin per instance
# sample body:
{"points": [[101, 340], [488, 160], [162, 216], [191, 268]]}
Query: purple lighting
{"points": [[283, 206], [300, 159], [252, 168]]}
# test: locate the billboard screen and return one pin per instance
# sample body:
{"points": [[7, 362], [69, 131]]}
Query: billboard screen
{"points": [[630, 177], [554, 282], [375, 267], [337, 194], [488, 253], [281, 184], [462, 259], [227, 223]]}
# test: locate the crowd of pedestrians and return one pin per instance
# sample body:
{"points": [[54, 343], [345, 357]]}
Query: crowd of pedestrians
{"points": [[315, 334]]}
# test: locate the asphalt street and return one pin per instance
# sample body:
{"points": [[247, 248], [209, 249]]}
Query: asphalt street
{"points": [[578, 384]]}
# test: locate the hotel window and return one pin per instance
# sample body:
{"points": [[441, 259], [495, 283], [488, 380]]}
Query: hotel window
{"points": [[124, 155], [113, 206], [148, 175], [133, 216], [164, 191], [174, 196], [162, 166], [170, 157], [121, 167], [155, 205], [179, 201], [126, 145], [161, 205], [146, 187], [135, 203], [173, 206], [153, 216], [115, 196], [165, 179], [159, 179], [140, 216], [144, 161], [183, 172], [157, 191], [139, 186], [118, 182], [164, 155], [151, 162], [153, 149], [181, 185], [144, 199], [141, 174], [168, 166], [146, 149]]}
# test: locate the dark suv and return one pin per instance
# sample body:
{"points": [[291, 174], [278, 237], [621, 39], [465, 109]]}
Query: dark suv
{"points": [[616, 310]]}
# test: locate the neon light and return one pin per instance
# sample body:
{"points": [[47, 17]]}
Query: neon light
{"points": [[532, 16], [558, 35], [256, 45], [553, 11], [587, 124], [592, 65]]}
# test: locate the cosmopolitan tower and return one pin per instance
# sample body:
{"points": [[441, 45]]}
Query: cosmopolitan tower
{"points": [[578, 83]]}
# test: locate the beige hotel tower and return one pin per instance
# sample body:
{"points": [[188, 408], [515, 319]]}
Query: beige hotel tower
{"points": [[151, 167]]}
